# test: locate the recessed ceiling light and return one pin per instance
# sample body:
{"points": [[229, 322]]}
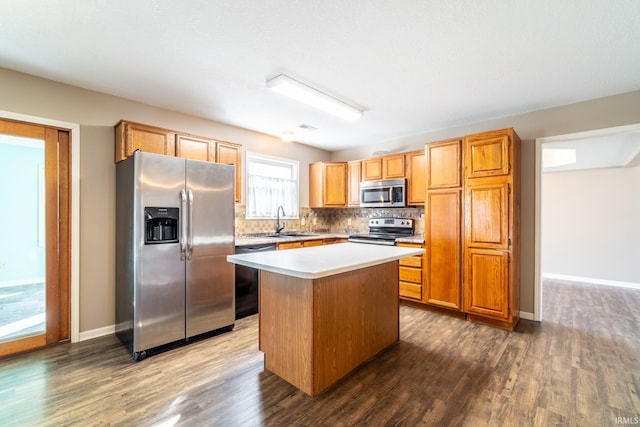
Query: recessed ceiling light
{"points": [[313, 97]]}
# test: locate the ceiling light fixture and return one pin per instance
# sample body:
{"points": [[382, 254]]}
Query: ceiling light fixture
{"points": [[315, 98], [287, 136]]}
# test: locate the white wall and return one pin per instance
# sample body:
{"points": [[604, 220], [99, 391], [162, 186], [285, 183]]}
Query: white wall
{"points": [[591, 224]]}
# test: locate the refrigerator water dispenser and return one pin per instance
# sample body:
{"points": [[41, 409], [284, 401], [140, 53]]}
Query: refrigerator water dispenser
{"points": [[161, 225]]}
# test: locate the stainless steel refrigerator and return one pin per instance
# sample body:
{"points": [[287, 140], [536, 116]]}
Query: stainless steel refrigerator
{"points": [[174, 230]]}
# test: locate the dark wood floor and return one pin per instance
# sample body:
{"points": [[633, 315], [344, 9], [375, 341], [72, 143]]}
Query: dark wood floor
{"points": [[580, 367]]}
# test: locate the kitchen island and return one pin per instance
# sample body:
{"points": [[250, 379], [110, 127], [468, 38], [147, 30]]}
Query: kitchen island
{"points": [[324, 310]]}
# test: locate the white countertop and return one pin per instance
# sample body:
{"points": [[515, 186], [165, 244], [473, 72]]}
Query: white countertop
{"points": [[321, 261]]}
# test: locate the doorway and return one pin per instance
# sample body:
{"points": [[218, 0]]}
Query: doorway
{"points": [[35, 258], [558, 141]]}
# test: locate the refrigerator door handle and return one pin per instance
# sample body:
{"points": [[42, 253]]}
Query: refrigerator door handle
{"points": [[183, 226], [190, 235]]}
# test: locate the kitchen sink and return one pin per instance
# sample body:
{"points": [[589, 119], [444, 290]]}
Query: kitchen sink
{"points": [[292, 235]]}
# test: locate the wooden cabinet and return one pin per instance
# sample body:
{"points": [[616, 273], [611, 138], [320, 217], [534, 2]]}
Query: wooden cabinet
{"points": [[387, 167], [195, 148], [372, 169], [487, 285], [443, 224], [411, 274], [136, 136], [328, 184], [416, 178], [354, 177], [133, 136], [492, 228], [487, 154], [289, 245], [229, 153], [309, 243], [393, 166], [444, 164], [443, 237]]}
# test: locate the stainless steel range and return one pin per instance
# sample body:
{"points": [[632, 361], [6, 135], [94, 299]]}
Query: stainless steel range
{"points": [[385, 231]]}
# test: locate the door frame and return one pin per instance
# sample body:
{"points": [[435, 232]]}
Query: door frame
{"points": [[74, 129], [537, 285]]}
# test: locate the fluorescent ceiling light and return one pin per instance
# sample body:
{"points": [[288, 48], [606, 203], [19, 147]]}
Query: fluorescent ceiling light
{"points": [[313, 97], [552, 157]]}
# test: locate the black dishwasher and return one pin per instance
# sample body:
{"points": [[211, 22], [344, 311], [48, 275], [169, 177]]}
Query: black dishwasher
{"points": [[247, 281]]}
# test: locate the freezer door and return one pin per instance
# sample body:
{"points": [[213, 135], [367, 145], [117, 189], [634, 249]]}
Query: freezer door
{"points": [[210, 286], [159, 294]]}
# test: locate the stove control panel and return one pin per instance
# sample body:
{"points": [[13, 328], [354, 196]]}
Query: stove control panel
{"points": [[391, 222]]}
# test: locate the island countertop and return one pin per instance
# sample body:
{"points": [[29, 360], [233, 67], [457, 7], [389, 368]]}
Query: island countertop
{"points": [[322, 261]]}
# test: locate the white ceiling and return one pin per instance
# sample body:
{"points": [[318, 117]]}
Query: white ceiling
{"points": [[414, 65]]}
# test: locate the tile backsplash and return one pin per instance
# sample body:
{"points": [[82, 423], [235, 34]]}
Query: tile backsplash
{"points": [[327, 220]]}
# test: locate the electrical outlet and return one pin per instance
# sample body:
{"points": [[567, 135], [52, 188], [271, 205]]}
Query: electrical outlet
{"points": [[302, 221], [315, 221], [349, 221]]}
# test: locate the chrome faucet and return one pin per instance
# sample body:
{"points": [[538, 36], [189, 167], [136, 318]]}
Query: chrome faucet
{"points": [[279, 227]]}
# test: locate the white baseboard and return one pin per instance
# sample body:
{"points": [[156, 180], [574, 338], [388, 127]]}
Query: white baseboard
{"points": [[591, 280], [99, 332], [527, 316]]}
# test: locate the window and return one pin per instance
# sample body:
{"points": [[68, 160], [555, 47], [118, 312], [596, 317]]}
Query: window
{"points": [[271, 182]]}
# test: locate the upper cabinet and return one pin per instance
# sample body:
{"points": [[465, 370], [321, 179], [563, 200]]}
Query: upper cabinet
{"points": [[416, 178], [231, 154], [195, 148], [327, 184], [372, 169], [354, 176], [444, 164], [133, 136], [386, 167], [393, 166], [487, 154]]}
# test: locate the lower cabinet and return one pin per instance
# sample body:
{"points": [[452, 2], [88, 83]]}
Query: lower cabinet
{"points": [[487, 283], [411, 274], [308, 243]]}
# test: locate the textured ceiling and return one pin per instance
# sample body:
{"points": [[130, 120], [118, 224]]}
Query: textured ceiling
{"points": [[414, 65]]}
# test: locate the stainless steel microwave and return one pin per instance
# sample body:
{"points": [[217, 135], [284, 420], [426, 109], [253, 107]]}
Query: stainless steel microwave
{"points": [[382, 194]]}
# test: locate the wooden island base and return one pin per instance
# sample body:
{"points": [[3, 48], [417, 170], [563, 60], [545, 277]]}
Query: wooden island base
{"points": [[315, 331]]}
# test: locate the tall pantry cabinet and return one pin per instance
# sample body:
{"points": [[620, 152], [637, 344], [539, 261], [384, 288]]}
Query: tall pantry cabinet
{"points": [[491, 284], [443, 224]]}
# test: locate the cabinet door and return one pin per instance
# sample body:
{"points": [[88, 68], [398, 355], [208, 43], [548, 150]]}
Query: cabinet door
{"points": [[444, 164], [229, 153], [486, 287], [417, 178], [335, 186], [194, 148], [487, 155], [393, 167], [444, 242], [353, 180], [372, 169], [327, 184], [135, 136], [487, 214]]}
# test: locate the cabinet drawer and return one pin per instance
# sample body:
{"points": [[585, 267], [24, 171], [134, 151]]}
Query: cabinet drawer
{"points": [[410, 290], [289, 245], [408, 274], [412, 261], [308, 243]]}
